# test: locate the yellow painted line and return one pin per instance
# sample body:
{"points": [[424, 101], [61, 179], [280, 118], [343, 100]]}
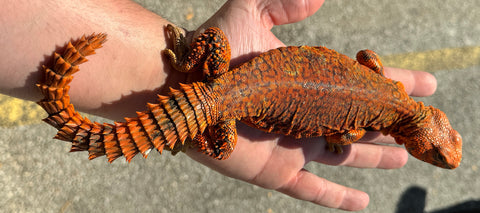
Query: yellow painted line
{"points": [[16, 112], [435, 60]]}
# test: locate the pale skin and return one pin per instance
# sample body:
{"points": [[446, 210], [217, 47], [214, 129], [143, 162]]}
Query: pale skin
{"points": [[129, 70]]}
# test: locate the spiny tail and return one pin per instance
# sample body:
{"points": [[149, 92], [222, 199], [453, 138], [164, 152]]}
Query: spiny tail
{"points": [[165, 125]]}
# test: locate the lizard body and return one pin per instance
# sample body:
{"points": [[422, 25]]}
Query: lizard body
{"points": [[299, 91]]}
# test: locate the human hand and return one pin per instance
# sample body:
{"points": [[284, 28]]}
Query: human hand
{"points": [[276, 161]]}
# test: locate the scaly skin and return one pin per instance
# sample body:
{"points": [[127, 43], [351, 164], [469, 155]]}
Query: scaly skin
{"points": [[299, 91]]}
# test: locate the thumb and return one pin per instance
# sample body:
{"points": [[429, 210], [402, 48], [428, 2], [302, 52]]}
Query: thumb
{"points": [[291, 11]]}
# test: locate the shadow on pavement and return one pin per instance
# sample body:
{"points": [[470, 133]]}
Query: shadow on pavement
{"points": [[413, 200]]}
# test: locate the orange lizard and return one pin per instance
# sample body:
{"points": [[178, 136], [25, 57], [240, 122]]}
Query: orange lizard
{"points": [[298, 91]]}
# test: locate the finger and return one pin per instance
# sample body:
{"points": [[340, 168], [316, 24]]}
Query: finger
{"points": [[377, 137], [367, 156], [288, 11], [307, 186], [417, 83]]}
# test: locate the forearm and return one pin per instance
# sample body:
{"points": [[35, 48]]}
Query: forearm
{"points": [[130, 62]]}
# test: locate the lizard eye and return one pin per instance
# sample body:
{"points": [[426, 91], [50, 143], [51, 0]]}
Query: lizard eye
{"points": [[438, 157]]}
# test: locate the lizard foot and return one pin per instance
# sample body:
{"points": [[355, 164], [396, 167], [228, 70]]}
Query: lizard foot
{"points": [[210, 52], [218, 141], [180, 49], [333, 147], [336, 141]]}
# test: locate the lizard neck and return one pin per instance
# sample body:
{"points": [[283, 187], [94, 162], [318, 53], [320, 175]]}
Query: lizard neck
{"points": [[410, 122]]}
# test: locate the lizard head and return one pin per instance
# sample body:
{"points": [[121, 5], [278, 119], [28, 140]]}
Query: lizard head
{"points": [[434, 141]]}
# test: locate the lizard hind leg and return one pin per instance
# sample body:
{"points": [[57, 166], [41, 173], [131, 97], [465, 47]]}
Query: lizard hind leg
{"points": [[218, 141], [210, 51], [371, 60], [336, 141]]}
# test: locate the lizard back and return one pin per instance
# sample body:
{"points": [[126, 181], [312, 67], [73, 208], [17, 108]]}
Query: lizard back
{"points": [[327, 93]]}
